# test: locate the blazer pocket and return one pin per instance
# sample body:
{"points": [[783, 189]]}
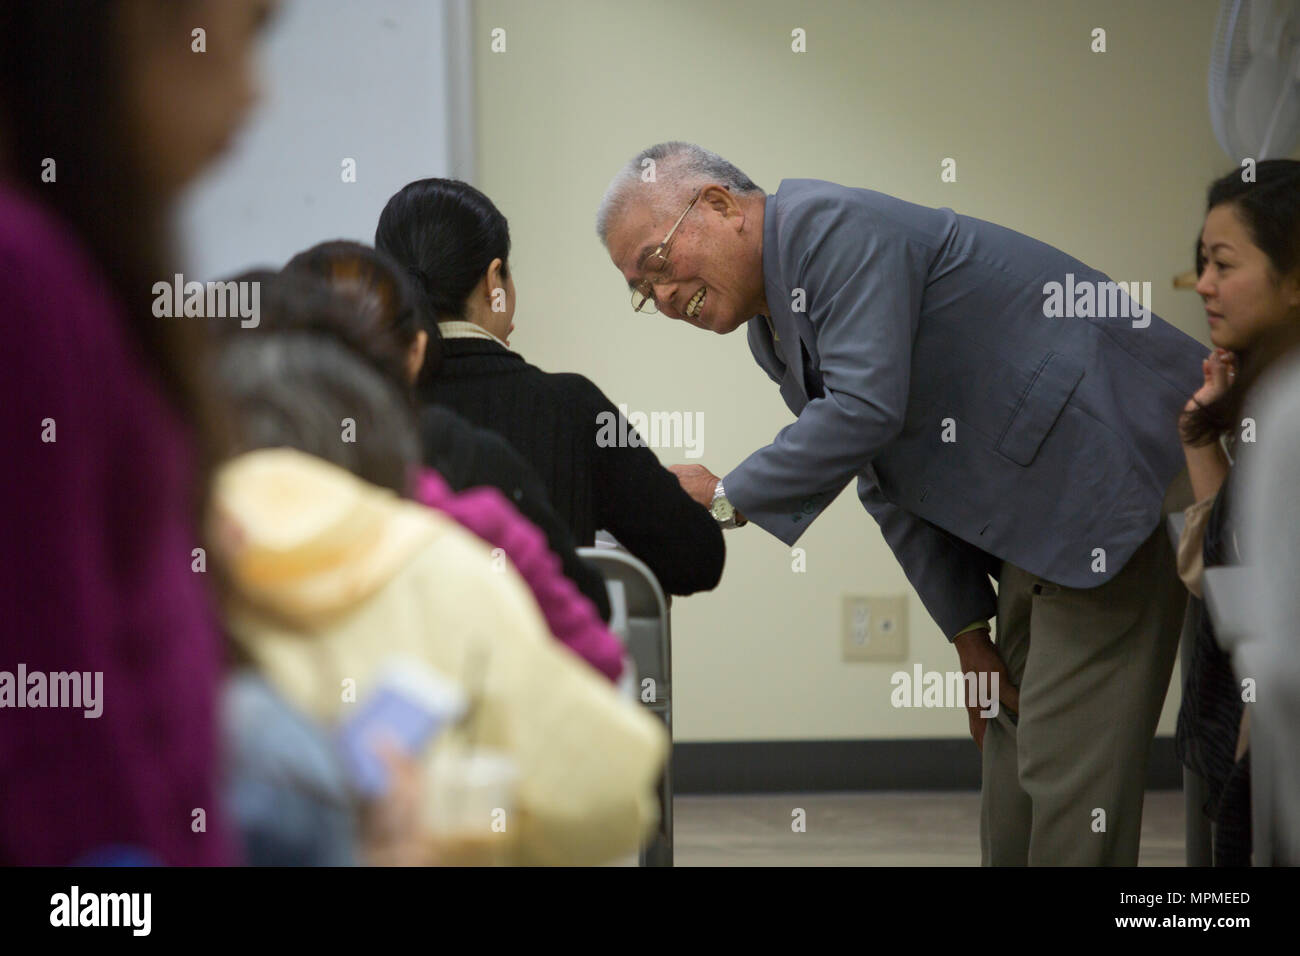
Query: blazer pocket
{"points": [[1040, 406]]}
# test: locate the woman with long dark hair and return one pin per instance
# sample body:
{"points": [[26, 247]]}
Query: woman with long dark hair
{"points": [[456, 245], [1248, 263], [106, 111]]}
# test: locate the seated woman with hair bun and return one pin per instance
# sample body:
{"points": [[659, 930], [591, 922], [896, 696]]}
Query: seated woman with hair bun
{"points": [[457, 243]]}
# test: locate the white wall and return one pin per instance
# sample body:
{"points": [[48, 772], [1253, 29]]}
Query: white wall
{"points": [[370, 80]]}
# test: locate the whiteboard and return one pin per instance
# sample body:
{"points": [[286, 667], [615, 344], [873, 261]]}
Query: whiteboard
{"points": [[385, 83]]}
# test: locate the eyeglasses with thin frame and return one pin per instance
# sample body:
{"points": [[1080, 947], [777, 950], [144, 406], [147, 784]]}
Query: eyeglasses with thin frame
{"points": [[656, 263]]}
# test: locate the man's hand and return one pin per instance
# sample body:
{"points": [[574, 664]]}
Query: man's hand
{"points": [[976, 652], [697, 481]]}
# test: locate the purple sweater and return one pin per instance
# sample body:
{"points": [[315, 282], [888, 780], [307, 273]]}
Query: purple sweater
{"points": [[97, 532]]}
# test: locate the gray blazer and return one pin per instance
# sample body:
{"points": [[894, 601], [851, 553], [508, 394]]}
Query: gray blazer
{"points": [[914, 346]]}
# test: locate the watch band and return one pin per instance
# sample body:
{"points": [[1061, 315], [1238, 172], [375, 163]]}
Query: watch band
{"points": [[723, 511]]}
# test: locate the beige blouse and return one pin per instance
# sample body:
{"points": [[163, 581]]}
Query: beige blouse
{"points": [[1191, 545], [1191, 558], [458, 329]]}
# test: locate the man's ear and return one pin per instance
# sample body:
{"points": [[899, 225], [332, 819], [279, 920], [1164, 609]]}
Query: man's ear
{"points": [[720, 199], [724, 202]]}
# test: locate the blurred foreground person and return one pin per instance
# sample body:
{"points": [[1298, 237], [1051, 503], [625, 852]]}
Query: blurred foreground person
{"points": [[104, 115], [1270, 508], [332, 576]]}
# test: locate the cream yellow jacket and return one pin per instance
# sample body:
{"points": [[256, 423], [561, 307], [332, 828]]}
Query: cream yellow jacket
{"points": [[334, 576]]}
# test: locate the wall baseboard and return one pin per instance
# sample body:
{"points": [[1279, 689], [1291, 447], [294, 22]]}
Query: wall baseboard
{"points": [[776, 766]]}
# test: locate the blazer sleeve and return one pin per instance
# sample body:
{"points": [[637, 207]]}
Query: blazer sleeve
{"points": [[863, 291], [950, 575], [642, 504]]}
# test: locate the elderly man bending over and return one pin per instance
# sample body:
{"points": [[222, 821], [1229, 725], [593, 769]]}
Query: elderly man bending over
{"points": [[1007, 412]]}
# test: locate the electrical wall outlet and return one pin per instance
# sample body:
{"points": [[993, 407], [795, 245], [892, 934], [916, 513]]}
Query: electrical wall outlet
{"points": [[875, 628]]}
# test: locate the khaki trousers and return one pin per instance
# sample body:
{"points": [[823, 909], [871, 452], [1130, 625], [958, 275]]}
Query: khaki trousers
{"points": [[1064, 779]]}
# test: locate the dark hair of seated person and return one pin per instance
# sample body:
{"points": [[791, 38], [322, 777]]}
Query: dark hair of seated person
{"points": [[294, 388], [450, 236], [296, 302], [388, 304], [464, 455]]}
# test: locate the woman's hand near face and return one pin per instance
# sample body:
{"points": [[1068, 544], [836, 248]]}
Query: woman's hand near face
{"points": [[1207, 467], [1219, 369]]}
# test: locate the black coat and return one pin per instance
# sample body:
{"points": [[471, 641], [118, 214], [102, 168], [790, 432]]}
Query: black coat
{"points": [[551, 420]]}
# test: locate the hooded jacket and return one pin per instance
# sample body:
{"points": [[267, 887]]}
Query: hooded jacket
{"points": [[332, 578]]}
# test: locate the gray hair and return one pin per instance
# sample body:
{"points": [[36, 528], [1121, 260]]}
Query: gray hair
{"points": [[679, 170], [295, 388]]}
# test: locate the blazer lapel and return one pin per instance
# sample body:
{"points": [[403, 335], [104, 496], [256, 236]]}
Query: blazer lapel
{"points": [[764, 348], [787, 344]]}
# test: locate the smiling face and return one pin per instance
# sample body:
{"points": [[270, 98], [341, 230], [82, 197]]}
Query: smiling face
{"points": [[1243, 295], [714, 274]]}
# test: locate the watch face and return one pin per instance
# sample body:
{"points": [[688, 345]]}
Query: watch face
{"points": [[722, 510]]}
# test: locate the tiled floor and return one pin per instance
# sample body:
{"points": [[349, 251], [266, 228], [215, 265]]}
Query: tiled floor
{"points": [[869, 829]]}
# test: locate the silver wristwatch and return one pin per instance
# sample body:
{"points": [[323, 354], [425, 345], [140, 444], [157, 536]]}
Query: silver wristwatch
{"points": [[724, 513]]}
